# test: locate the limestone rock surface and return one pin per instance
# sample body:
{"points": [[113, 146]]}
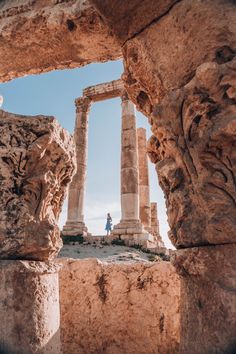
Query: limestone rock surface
{"points": [[39, 36], [37, 163], [129, 18], [164, 55], [208, 298], [119, 308], [194, 151], [29, 308]]}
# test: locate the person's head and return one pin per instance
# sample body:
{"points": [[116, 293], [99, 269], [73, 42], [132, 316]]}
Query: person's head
{"points": [[108, 214]]}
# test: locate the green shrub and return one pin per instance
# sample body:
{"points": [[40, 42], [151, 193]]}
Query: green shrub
{"points": [[68, 239], [118, 242]]}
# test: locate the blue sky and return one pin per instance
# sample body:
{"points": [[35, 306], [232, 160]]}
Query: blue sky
{"points": [[54, 94]]}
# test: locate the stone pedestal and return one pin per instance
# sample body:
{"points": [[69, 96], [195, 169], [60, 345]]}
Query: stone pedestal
{"points": [[75, 216], [130, 223], [29, 308], [208, 299], [144, 192]]}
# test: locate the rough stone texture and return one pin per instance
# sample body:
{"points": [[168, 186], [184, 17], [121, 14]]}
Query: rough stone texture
{"points": [[37, 163], [208, 299], [129, 18], [165, 55], [119, 308], [29, 308], [195, 156], [129, 162], [75, 214], [144, 192], [38, 36], [104, 91]]}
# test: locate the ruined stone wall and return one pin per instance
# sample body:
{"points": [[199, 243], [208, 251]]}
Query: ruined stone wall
{"points": [[119, 308]]}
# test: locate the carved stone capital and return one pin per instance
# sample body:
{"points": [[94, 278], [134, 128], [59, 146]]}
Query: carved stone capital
{"points": [[124, 96], [37, 161], [83, 104], [195, 156]]}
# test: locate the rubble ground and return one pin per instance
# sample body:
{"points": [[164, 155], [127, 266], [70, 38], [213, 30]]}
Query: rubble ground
{"points": [[107, 253]]}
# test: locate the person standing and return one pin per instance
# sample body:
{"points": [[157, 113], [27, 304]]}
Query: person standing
{"points": [[108, 224]]}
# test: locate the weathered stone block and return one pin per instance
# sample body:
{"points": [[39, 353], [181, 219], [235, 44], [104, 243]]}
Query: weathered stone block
{"points": [[129, 180], [208, 299], [29, 308], [71, 34], [37, 163], [129, 157], [129, 139], [119, 308], [155, 64], [196, 157]]}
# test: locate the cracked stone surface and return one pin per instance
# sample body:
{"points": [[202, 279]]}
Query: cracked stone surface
{"points": [[119, 308], [208, 298], [119, 18], [29, 307], [37, 163], [165, 55], [51, 34], [194, 150]]}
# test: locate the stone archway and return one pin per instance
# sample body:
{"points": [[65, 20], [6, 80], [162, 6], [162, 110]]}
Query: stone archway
{"points": [[180, 71]]}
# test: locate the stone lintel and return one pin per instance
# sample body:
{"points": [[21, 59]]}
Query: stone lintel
{"points": [[104, 91], [76, 23]]}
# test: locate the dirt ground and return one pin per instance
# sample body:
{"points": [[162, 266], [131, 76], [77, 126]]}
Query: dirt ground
{"points": [[107, 253]]}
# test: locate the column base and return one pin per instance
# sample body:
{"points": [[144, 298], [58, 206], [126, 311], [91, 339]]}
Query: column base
{"points": [[75, 228], [133, 233], [158, 240], [128, 227]]}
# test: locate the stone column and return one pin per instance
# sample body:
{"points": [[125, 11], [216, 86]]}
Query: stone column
{"points": [[155, 225], [29, 308], [75, 215], [129, 163], [130, 222], [37, 162], [144, 192]]}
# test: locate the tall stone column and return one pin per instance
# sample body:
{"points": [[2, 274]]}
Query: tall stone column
{"points": [[75, 215], [155, 225], [129, 163], [130, 223], [144, 191]]}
